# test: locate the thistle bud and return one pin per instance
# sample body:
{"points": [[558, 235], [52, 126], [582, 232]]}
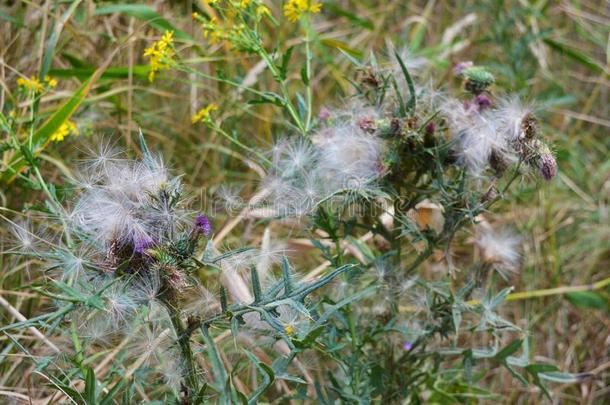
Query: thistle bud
{"points": [[389, 127], [477, 79], [547, 166], [367, 124], [543, 159]]}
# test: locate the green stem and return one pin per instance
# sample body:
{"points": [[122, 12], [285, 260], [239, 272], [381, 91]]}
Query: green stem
{"points": [[190, 370], [235, 141], [287, 103], [308, 58], [355, 378], [218, 368], [558, 290]]}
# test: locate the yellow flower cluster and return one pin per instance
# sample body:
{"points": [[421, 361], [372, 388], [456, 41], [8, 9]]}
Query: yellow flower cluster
{"points": [[289, 329], [160, 54], [232, 27], [67, 128], [295, 9], [240, 3], [204, 114], [33, 84], [50, 81]]}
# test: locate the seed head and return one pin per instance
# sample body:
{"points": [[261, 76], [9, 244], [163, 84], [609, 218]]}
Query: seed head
{"points": [[548, 166]]}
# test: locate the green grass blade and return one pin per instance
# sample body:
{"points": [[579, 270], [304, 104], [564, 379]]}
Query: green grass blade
{"points": [[145, 13], [575, 55]]}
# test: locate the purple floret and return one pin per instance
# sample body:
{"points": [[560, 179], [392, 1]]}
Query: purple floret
{"points": [[202, 224], [482, 102], [142, 244], [548, 167]]}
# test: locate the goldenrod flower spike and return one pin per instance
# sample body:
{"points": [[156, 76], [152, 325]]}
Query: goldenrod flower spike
{"points": [[204, 114], [32, 84], [67, 128], [295, 9], [51, 82], [160, 54]]}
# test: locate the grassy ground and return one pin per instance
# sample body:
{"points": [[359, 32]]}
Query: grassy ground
{"points": [[556, 53]]}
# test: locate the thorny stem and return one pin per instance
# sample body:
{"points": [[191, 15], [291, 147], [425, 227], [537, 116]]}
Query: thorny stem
{"points": [[354, 337], [298, 294], [190, 370], [423, 256]]}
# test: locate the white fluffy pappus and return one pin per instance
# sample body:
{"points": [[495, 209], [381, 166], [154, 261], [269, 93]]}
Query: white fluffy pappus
{"points": [[476, 135], [509, 116], [112, 205], [341, 158], [349, 158], [499, 248]]}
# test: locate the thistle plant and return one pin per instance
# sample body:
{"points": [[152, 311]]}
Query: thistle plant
{"points": [[380, 190]]}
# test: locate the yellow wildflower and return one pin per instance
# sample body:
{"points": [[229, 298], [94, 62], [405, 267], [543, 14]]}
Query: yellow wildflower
{"points": [[294, 9], [262, 10], [289, 329], [32, 84], [160, 54], [244, 3], [212, 31], [64, 130], [51, 82], [204, 114]]}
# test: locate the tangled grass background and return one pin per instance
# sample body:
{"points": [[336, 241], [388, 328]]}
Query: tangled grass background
{"points": [[304, 202]]}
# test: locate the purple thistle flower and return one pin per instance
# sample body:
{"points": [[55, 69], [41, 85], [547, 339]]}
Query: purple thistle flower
{"points": [[548, 166], [324, 114], [407, 346], [143, 243], [482, 101], [202, 224], [461, 66]]}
